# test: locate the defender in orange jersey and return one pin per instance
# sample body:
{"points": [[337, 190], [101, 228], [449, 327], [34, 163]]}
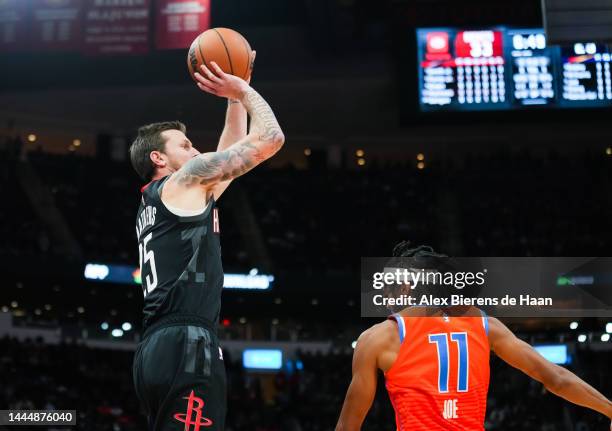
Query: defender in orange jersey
{"points": [[436, 367]]}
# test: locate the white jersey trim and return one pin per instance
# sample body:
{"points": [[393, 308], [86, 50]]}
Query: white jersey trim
{"points": [[185, 213]]}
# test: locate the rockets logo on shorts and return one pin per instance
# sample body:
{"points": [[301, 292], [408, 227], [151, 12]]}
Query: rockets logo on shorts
{"points": [[194, 405], [216, 228]]}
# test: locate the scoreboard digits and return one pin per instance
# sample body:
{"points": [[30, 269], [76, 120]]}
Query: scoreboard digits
{"points": [[471, 71], [532, 68], [586, 73], [480, 67], [504, 68]]}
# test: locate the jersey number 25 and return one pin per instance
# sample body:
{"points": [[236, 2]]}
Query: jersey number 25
{"points": [[147, 256]]}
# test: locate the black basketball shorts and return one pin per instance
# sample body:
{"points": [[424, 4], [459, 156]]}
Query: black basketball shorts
{"points": [[179, 377]]}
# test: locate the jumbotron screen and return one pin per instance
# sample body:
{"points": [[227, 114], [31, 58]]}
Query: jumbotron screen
{"points": [[509, 68]]}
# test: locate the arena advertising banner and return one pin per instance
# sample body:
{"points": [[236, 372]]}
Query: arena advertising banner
{"points": [[97, 27], [116, 27], [126, 274], [13, 25], [178, 22], [55, 25]]}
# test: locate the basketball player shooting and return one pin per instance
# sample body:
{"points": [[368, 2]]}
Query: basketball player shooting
{"points": [[178, 367], [436, 366]]}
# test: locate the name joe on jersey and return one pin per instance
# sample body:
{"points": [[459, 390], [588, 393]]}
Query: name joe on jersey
{"points": [[146, 218], [450, 409]]}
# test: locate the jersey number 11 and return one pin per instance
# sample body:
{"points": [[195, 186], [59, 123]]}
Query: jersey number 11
{"points": [[441, 341]]}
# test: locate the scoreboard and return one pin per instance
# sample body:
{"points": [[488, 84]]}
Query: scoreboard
{"points": [[509, 68]]}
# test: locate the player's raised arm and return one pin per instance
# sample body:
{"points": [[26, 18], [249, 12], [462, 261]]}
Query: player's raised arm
{"points": [[263, 141], [235, 128], [362, 389], [556, 379]]}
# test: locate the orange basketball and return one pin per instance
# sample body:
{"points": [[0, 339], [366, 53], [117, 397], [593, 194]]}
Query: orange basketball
{"points": [[225, 47]]}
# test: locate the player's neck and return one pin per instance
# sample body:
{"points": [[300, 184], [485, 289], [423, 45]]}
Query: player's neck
{"points": [[161, 173], [456, 311]]}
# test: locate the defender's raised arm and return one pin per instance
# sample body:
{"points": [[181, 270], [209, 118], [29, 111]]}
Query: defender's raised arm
{"points": [[556, 379]]}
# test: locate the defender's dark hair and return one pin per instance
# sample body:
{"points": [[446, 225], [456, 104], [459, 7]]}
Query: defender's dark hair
{"points": [[422, 256], [403, 249], [150, 139]]}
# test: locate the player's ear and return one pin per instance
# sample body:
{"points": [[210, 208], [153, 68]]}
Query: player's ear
{"points": [[158, 159]]}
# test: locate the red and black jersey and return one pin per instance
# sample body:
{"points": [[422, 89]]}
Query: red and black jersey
{"points": [[180, 259]]}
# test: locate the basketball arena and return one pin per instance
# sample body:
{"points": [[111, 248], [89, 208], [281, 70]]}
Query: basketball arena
{"points": [[376, 131]]}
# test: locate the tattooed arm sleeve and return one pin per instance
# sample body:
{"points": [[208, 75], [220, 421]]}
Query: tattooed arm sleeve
{"points": [[260, 144]]}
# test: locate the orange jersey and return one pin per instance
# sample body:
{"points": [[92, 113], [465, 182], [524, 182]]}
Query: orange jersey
{"points": [[440, 378]]}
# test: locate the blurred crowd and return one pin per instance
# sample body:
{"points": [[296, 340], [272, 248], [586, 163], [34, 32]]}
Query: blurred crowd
{"points": [[504, 204], [98, 384]]}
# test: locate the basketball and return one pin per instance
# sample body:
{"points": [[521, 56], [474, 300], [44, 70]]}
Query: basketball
{"points": [[226, 47]]}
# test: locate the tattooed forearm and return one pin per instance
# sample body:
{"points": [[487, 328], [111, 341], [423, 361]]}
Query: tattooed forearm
{"points": [[212, 168], [262, 117], [235, 127], [219, 166]]}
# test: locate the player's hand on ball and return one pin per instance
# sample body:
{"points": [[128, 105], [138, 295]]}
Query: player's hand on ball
{"points": [[220, 83]]}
